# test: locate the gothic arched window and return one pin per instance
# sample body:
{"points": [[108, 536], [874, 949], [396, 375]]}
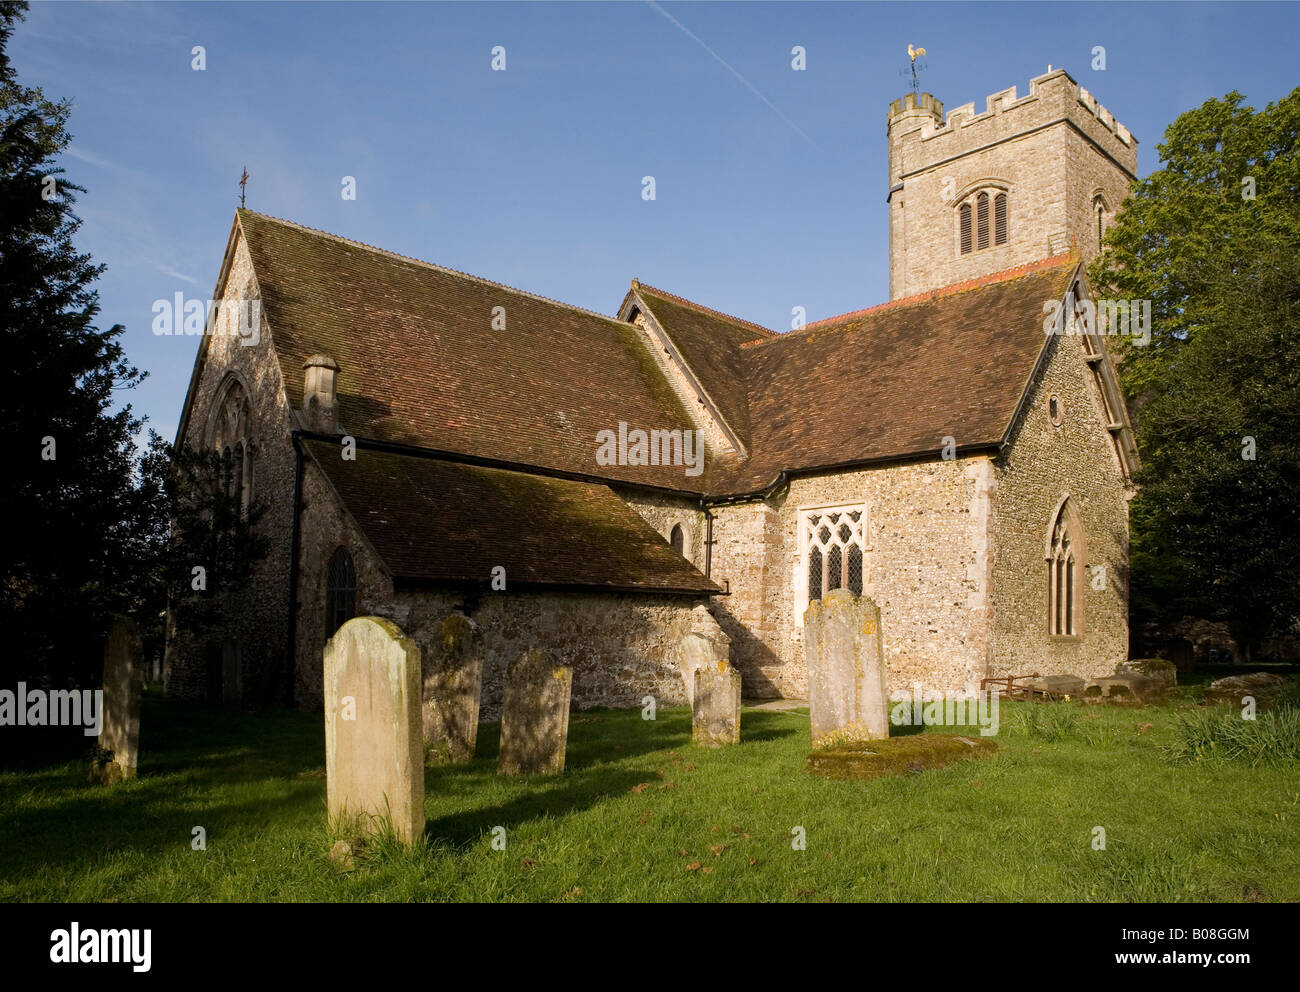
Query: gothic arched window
{"points": [[340, 591], [232, 438], [1066, 554], [677, 538]]}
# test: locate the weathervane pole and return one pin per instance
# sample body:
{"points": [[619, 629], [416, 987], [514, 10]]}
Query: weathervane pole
{"points": [[914, 54]]}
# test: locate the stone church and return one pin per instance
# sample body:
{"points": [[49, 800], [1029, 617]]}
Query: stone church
{"points": [[430, 442]]}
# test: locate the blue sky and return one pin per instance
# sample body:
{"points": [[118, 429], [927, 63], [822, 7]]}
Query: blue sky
{"points": [[770, 183]]}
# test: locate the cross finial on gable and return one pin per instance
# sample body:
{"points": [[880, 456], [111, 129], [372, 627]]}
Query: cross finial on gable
{"points": [[243, 186]]}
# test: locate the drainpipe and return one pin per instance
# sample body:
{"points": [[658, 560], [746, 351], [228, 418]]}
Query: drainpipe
{"points": [[293, 569], [708, 540]]}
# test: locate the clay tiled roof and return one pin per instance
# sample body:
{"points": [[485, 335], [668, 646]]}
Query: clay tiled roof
{"points": [[421, 365], [894, 380], [432, 520], [708, 341]]}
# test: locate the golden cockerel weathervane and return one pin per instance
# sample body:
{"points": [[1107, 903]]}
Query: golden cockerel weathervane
{"points": [[914, 54]]}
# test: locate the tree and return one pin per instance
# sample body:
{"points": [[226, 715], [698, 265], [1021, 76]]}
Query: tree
{"points": [[1212, 239], [69, 502], [95, 522]]}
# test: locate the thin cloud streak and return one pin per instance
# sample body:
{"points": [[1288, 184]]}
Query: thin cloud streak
{"points": [[726, 65]]}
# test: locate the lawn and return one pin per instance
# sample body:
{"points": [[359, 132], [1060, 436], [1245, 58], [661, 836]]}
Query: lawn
{"points": [[643, 814]]}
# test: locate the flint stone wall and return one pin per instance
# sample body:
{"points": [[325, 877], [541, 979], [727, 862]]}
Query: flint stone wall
{"points": [[255, 620]]}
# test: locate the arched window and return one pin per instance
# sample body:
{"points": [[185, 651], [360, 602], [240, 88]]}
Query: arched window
{"points": [[978, 230], [1099, 208], [232, 437], [340, 591], [1066, 553], [677, 538]]}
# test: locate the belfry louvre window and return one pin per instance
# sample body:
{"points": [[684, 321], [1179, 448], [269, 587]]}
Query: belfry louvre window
{"points": [[834, 544], [340, 592], [978, 230]]}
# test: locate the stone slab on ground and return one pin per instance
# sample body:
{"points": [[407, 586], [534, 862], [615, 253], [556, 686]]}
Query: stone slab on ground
{"points": [[1127, 689], [910, 754], [1058, 685], [535, 716], [374, 749], [1264, 687], [1155, 668], [119, 734]]}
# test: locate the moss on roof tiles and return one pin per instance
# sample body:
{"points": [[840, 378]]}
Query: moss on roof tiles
{"points": [[432, 520]]}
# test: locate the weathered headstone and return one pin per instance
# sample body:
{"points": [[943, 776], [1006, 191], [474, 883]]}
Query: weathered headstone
{"points": [[373, 742], [535, 716], [119, 734], [716, 706], [695, 651], [453, 681], [846, 669]]}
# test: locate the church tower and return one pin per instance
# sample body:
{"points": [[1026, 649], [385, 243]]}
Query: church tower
{"points": [[978, 193]]}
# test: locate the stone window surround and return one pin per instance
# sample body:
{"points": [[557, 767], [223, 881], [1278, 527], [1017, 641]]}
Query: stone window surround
{"points": [[242, 447], [1102, 212], [801, 566], [1059, 418], [993, 187], [688, 535], [1066, 515], [340, 590]]}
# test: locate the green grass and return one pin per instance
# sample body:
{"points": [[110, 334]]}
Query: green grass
{"points": [[1015, 826]]}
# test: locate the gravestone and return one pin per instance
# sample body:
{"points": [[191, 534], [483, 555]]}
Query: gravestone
{"points": [[453, 682], [373, 742], [119, 734], [846, 669], [535, 716], [715, 711], [694, 651]]}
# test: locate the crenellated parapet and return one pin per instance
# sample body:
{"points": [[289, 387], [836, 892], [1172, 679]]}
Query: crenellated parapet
{"points": [[1053, 97]]}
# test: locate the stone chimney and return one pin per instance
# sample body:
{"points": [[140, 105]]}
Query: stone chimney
{"points": [[319, 398]]}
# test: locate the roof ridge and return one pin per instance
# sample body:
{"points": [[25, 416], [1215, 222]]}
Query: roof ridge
{"points": [[431, 265], [703, 309], [1052, 261]]}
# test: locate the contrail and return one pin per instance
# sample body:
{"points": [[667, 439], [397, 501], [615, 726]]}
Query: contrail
{"points": [[726, 65]]}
